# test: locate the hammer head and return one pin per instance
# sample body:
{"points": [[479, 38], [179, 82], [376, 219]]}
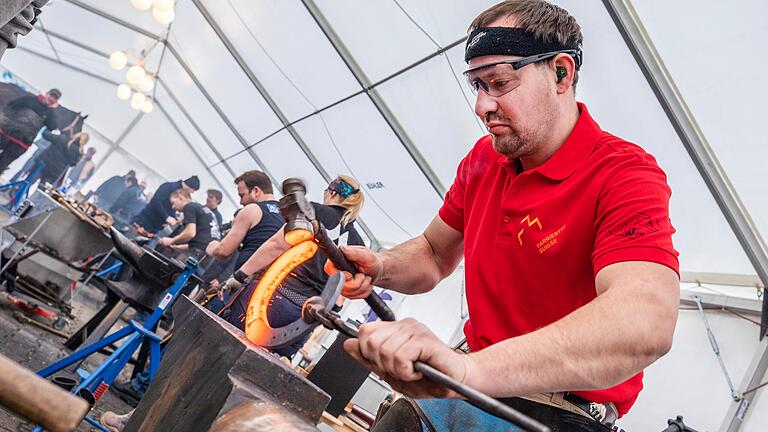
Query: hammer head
{"points": [[294, 206]]}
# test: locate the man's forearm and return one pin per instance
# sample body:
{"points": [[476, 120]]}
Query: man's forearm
{"points": [[400, 271], [184, 236], [265, 255], [597, 346]]}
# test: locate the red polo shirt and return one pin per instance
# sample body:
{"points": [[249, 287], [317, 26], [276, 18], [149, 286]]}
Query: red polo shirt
{"points": [[534, 241]]}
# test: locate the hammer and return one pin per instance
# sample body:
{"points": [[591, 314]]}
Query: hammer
{"points": [[299, 214]]}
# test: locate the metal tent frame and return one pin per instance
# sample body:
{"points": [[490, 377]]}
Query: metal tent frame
{"points": [[649, 61]]}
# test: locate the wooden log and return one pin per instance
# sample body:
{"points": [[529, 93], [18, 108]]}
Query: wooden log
{"points": [[209, 369], [38, 400]]}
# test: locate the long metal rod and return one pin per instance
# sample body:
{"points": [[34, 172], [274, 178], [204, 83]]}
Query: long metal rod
{"points": [[641, 46], [126, 24], [716, 348], [274, 107], [375, 97], [70, 66], [195, 152], [220, 112], [737, 411]]}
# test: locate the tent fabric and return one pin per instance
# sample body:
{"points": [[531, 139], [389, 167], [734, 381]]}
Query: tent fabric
{"points": [[374, 89]]}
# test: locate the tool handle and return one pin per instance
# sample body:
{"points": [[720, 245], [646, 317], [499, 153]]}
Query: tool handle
{"points": [[342, 263], [481, 400]]}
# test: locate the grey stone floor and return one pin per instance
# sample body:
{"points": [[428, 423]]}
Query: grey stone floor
{"points": [[36, 348]]}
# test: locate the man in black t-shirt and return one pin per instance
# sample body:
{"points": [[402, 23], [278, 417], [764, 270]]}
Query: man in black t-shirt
{"points": [[200, 226], [159, 210]]}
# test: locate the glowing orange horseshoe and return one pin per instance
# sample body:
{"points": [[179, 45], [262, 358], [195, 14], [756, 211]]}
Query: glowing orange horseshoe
{"points": [[257, 328]]}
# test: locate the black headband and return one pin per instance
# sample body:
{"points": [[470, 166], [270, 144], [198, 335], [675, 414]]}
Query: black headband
{"points": [[513, 41]]}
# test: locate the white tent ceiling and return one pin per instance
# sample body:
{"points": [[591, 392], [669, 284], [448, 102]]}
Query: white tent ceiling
{"points": [[316, 88]]}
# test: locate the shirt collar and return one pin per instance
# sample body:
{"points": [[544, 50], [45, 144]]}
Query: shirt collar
{"points": [[576, 148]]}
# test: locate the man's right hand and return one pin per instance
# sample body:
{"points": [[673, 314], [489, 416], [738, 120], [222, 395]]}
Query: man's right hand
{"points": [[369, 266]]}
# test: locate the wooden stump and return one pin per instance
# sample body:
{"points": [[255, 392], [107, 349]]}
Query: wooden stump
{"points": [[210, 370]]}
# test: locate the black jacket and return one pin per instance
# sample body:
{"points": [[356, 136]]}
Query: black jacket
{"points": [[59, 156]]}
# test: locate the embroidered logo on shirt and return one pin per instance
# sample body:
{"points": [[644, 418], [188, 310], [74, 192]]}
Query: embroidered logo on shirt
{"points": [[639, 225], [527, 222]]}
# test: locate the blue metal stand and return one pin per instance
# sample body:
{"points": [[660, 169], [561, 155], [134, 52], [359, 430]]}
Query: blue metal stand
{"points": [[99, 380], [23, 186]]}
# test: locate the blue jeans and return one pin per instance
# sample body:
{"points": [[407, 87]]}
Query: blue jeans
{"points": [[457, 415]]}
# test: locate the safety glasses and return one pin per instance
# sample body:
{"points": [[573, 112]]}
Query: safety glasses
{"points": [[499, 78]]}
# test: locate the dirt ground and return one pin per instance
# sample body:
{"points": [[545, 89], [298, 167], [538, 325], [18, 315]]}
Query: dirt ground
{"points": [[36, 348]]}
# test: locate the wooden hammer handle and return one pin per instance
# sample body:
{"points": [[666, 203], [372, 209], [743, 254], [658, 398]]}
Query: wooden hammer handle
{"points": [[38, 400]]}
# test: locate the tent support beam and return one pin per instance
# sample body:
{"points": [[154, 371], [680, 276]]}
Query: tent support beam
{"points": [[375, 97], [170, 94], [188, 71], [194, 152], [274, 107], [641, 46]]}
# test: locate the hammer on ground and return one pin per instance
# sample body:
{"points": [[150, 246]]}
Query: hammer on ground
{"points": [[299, 214]]}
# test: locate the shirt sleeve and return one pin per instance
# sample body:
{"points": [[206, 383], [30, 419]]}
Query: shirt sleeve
{"points": [[190, 215], [632, 222], [452, 211]]}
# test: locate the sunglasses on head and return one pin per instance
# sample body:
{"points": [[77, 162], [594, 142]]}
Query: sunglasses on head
{"points": [[342, 188]]}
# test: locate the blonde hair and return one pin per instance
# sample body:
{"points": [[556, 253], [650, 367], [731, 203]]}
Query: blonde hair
{"points": [[353, 203], [81, 137], [183, 193]]}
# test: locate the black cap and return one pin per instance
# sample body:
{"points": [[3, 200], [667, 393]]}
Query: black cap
{"points": [[193, 182]]}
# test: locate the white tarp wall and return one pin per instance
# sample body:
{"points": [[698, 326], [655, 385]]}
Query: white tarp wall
{"points": [[312, 117]]}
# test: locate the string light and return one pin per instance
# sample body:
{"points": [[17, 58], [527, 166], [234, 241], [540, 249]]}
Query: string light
{"points": [[118, 60], [124, 91], [141, 5]]}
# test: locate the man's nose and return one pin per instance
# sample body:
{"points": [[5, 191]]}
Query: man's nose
{"points": [[484, 104]]}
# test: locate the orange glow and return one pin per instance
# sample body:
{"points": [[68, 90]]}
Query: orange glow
{"points": [[256, 325], [297, 236]]}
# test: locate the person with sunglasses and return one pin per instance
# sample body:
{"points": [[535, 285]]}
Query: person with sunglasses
{"points": [[342, 202], [570, 272]]}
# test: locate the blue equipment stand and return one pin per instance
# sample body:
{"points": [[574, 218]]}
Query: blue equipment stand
{"points": [[23, 186], [99, 380]]}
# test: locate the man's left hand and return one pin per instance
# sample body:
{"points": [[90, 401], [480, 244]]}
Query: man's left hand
{"points": [[389, 349], [165, 241]]}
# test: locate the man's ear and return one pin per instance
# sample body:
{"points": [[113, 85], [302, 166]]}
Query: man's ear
{"points": [[564, 69]]}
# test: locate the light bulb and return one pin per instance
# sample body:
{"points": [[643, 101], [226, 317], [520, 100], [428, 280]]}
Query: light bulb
{"points": [[118, 60], [137, 100], [147, 106], [142, 5], [146, 84], [124, 91], [135, 75], [164, 17], [163, 5]]}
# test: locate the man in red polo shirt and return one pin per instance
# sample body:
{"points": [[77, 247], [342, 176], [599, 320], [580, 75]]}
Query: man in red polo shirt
{"points": [[571, 276]]}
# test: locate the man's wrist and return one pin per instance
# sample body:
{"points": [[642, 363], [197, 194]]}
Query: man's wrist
{"points": [[240, 276]]}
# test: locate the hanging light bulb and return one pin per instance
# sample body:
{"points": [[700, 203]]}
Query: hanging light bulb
{"points": [[124, 91], [137, 100], [164, 17], [147, 84], [118, 60], [142, 5], [163, 5], [147, 106], [135, 74]]}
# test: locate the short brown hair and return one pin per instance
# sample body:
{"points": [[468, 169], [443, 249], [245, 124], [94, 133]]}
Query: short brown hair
{"points": [[216, 194], [254, 178], [181, 193], [545, 20]]}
